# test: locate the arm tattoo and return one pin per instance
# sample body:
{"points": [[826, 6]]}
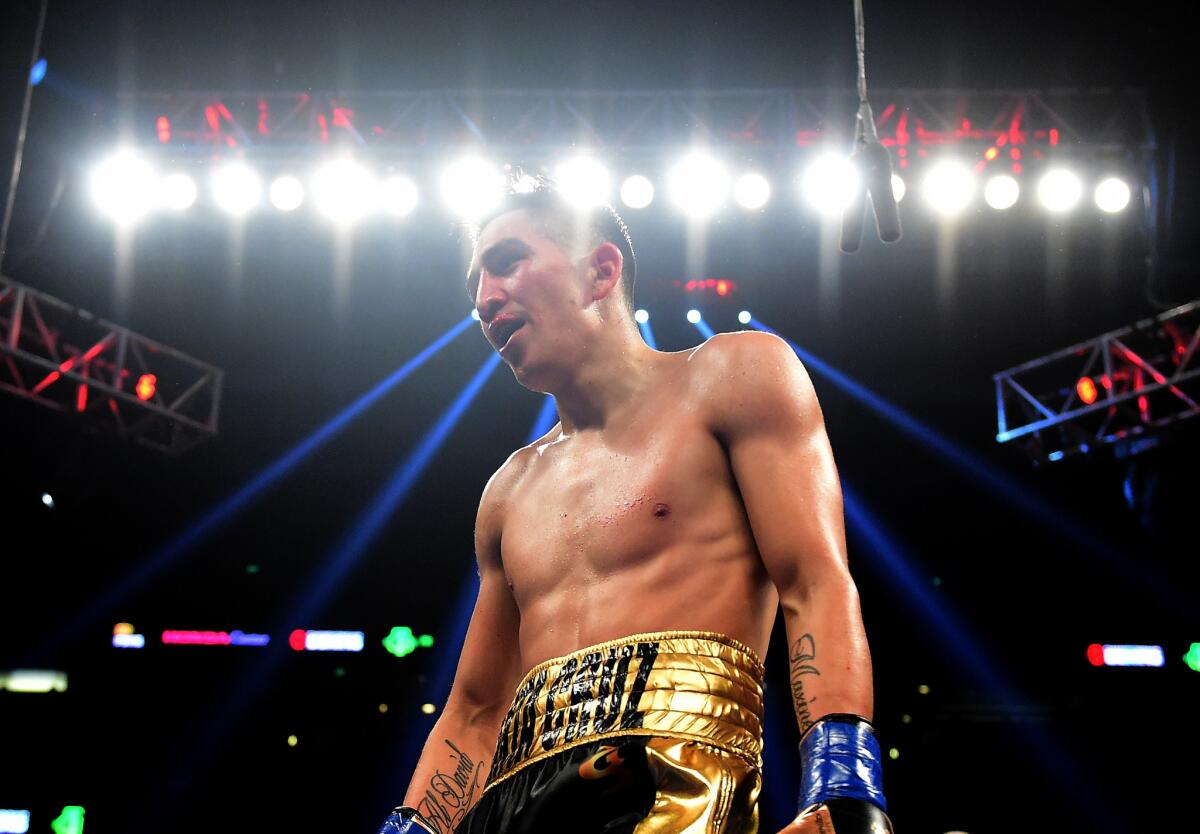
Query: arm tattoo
{"points": [[450, 795], [804, 652]]}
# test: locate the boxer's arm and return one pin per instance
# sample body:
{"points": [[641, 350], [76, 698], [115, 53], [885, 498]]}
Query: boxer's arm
{"points": [[458, 753], [768, 417]]}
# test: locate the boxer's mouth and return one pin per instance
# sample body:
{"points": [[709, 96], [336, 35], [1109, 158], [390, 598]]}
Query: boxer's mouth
{"points": [[502, 332]]}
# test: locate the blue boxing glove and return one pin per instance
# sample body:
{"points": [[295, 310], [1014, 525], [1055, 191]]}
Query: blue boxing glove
{"points": [[841, 789], [403, 820]]}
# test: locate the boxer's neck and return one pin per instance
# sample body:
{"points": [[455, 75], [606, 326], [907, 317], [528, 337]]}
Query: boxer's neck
{"points": [[618, 368]]}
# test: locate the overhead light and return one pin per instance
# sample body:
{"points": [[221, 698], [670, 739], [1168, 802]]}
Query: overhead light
{"points": [[236, 188], [1112, 195], [830, 184], [948, 187], [471, 187], [698, 184], [583, 182], [1059, 190], [751, 191], [637, 192]]}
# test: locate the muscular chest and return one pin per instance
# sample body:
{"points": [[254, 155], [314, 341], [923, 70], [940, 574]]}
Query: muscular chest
{"points": [[593, 509]]}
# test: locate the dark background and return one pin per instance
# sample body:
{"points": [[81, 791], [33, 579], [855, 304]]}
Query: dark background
{"points": [[192, 739]]}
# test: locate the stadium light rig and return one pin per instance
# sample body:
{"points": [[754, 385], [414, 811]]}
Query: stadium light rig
{"points": [[128, 187]]}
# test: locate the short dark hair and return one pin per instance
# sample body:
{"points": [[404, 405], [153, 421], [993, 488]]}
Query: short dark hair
{"points": [[541, 198]]}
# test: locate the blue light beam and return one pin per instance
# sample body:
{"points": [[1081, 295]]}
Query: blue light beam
{"points": [[368, 525], [306, 609], [648, 334], [547, 417], [954, 633], [1052, 517], [242, 498], [704, 329]]}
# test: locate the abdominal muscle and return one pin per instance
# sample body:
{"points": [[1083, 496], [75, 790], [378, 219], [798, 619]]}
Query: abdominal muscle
{"points": [[670, 591]]}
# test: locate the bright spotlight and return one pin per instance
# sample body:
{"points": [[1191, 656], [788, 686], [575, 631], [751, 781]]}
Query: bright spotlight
{"points": [[474, 314], [898, 188], [471, 187], [583, 182], [177, 191], [286, 193], [124, 187], [1059, 190], [236, 188], [744, 317], [1112, 195], [830, 184], [398, 195], [48, 500], [343, 191], [637, 192], [752, 191], [699, 185], [949, 187], [641, 317], [1001, 192], [693, 316]]}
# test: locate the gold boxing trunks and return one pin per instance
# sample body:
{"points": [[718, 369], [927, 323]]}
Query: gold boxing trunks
{"points": [[655, 733]]}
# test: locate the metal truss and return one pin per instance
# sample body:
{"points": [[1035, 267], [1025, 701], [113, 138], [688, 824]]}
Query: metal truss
{"points": [[65, 358], [532, 123], [1139, 379]]}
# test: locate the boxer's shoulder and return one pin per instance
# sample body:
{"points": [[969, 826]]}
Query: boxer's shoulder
{"points": [[746, 374], [739, 352], [500, 486]]}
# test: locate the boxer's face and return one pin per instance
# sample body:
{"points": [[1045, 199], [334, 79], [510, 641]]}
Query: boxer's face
{"points": [[521, 277]]}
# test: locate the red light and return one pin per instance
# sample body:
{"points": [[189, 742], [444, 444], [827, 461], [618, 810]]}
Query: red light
{"points": [[1095, 654], [147, 385], [297, 639], [81, 399], [1106, 382], [1015, 153], [991, 153], [722, 288], [164, 129], [1016, 167], [1053, 136], [1086, 389]]}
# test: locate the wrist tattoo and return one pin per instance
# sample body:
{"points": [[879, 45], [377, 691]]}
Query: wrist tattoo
{"points": [[804, 652], [449, 795]]}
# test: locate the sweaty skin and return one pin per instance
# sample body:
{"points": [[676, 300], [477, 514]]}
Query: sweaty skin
{"points": [[692, 490], [636, 527]]}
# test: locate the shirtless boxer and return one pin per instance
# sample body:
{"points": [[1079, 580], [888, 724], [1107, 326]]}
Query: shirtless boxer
{"points": [[631, 565]]}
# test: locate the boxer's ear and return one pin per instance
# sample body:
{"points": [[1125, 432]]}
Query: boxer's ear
{"points": [[604, 269]]}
